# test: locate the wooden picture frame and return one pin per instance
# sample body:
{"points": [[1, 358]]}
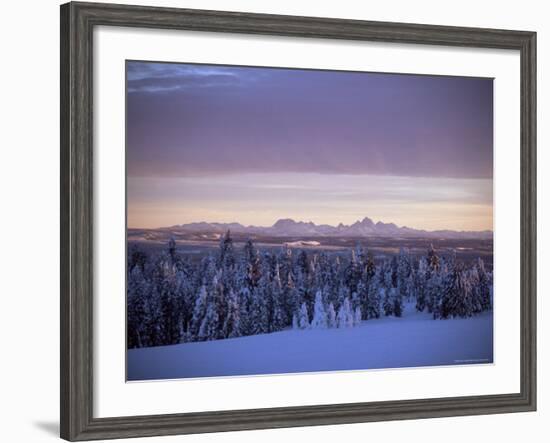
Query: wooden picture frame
{"points": [[77, 23]]}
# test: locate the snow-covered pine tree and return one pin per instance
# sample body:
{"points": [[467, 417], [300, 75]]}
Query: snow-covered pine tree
{"points": [[353, 273], [432, 259], [483, 285], [251, 264], [242, 289], [403, 273], [154, 318], [362, 296], [456, 293], [357, 316], [220, 294], [370, 267], [394, 266], [397, 302], [420, 282], [231, 326], [331, 316], [360, 256], [186, 288], [302, 263], [245, 306], [172, 249], [374, 300], [303, 280], [278, 317], [385, 284], [355, 303], [303, 318], [323, 272], [291, 297], [259, 310], [295, 324], [137, 257], [320, 320], [137, 312], [284, 258], [208, 271], [226, 258], [343, 293], [345, 315], [387, 302], [209, 329], [434, 290], [473, 278], [411, 286], [199, 312], [170, 303]]}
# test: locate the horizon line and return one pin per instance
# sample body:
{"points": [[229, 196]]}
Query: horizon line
{"points": [[310, 222]]}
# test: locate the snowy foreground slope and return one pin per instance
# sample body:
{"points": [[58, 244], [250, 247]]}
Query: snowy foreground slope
{"points": [[411, 341]]}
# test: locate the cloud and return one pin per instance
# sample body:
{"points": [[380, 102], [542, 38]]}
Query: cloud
{"points": [[192, 120], [160, 77]]}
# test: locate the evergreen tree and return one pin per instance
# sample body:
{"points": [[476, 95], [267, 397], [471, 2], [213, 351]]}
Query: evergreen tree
{"points": [[291, 298], [376, 283], [483, 285], [220, 295], [172, 249], [246, 326], [331, 316], [199, 312], [433, 259], [320, 320], [210, 324], [170, 304], [251, 263], [295, 324], [403, 273], [279, 317], [303, 319], [353, 273], [259, 310], [136, 257], [137, 313], [231, 327], [357, 316], [397, 303], [388, 301], [363, 296], [456, 294], [226, 258], [343, 293], [421, 281], [345, 315], [394, 266], [370, 267]]}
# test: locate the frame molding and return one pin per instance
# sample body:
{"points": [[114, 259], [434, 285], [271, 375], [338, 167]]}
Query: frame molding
{"points": [[77, 24]]}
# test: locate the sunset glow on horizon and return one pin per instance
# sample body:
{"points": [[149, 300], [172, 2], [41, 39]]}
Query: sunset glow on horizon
{"points": [[254, 145]]}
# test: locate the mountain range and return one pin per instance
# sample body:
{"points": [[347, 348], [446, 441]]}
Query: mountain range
{"points": [[362, 228]]}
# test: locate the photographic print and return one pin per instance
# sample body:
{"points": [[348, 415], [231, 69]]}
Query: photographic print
{"points": [[284, 220]]}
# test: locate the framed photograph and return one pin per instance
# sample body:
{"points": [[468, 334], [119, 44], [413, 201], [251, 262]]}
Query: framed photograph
{"points": [[273, 221]]}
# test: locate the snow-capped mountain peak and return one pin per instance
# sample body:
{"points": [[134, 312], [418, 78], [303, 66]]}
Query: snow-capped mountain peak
{"points": [[287, 227]]}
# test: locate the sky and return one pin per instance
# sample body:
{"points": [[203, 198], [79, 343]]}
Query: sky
{"points": [[253, 145]]}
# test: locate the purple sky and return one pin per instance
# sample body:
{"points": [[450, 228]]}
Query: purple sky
{"points": [[201, 137]]}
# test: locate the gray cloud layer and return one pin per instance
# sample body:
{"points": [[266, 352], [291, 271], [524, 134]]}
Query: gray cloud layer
{"points": [[204, 120]]}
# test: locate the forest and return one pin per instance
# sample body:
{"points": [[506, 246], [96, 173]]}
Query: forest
{"points": [[236, 292]]}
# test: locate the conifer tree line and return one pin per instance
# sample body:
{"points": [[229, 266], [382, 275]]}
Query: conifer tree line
{"points": [[233, 293]]}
